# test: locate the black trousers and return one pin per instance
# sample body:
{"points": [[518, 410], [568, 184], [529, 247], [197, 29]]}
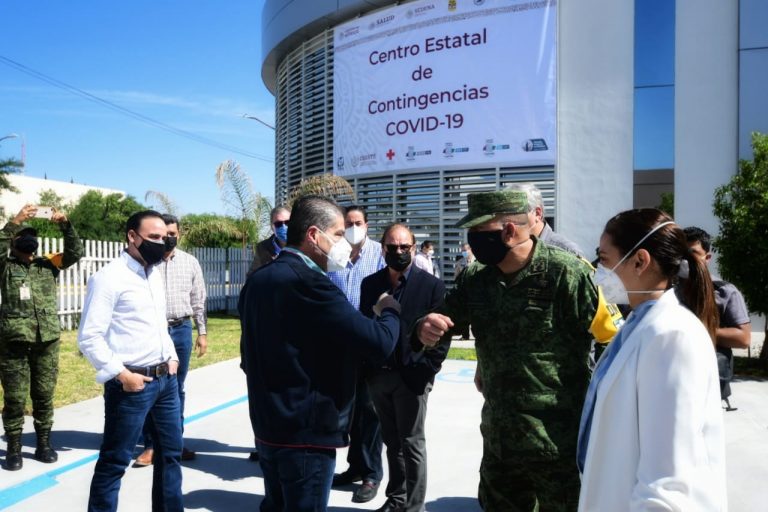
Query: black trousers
{"points": [[402, 415], [364, 455]]}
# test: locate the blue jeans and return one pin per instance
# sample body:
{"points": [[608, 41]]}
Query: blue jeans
{"points": [[124, 415], [296, 479], [182, 340]]}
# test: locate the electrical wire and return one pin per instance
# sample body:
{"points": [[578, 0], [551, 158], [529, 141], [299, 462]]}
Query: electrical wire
{"points": [[130, 113]]}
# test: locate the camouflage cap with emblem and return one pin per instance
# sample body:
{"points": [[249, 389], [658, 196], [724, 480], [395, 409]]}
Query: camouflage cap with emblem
{"points": [[484, 206]]}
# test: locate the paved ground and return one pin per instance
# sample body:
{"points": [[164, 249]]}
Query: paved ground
{"points": [[222, 479]]}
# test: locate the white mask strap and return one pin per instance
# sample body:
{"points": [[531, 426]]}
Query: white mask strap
{"points": [[655, 229]]}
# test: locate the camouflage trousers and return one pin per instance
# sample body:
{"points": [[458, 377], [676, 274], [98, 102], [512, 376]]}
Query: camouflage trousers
{"points": [[28, 369], [528, 485]]}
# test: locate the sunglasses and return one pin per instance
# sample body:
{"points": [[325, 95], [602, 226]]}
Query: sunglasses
{"points": [[395, 247], [280, 223]]}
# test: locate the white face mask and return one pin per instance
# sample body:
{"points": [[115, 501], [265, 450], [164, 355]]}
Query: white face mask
{"points": [[610, 282], [613, 287], [338, 256], [355, 234], [430, 253]]}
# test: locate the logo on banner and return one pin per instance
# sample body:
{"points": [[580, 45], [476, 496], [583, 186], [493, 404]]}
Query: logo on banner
{"points": [[419, 11], [449, 150], [451, 5], [340, 163], [380, 22], [479, 2], [349, 32], [367, 159], [390, 154], [535, 145], [412, 153], [490, 148]]}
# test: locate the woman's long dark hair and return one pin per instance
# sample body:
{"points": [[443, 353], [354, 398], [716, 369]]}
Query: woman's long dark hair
{"points": [[669, 248]]}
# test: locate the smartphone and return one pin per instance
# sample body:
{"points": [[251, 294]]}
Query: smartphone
{"points": [[44, 212]]}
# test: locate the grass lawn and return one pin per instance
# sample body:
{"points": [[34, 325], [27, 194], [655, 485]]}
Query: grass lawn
{"points": [[77, 376]]}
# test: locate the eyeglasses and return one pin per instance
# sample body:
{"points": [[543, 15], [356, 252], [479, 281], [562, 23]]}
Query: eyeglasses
{"points": [[280, 223], [395, 247]]}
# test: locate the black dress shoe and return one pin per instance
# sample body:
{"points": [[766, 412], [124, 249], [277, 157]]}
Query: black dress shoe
{"points": [[366, 492], [345, 478], [391, 506]]}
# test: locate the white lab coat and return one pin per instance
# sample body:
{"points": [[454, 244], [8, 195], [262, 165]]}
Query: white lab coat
{"points": [[657, 441]]}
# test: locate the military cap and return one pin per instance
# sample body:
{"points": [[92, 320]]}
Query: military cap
{"points": [[483, 206], [26, 230]]}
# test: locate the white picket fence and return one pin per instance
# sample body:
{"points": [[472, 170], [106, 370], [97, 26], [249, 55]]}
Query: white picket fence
{"points": [[224, 272]]}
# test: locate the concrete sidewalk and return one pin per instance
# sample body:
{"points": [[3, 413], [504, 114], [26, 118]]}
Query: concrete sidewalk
{"points": [[222, 479]]}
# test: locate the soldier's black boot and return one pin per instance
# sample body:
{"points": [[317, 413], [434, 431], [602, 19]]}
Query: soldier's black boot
{"points": [[44, 452], [13, 460]]}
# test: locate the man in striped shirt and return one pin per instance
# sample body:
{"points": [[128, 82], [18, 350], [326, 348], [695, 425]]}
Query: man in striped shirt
{"points": [[365, 443], [185, 300]]}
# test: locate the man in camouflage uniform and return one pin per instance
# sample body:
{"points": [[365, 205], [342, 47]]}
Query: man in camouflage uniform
{"points": [[29, 330], [534, 312]]}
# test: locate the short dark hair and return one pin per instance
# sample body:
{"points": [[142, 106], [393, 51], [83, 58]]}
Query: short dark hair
{"points": [[170, 219], [277, 209], [356, 208], [694, 234], [392, 227], [311, 210], [134, 221], [426, 243]]}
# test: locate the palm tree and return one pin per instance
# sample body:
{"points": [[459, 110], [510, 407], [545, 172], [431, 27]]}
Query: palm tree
{"points": [[166, 203], [328, 185], [243, 202]]}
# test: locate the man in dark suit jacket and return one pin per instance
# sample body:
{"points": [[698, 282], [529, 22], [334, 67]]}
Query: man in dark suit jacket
{"points": [[302, 344], [268, 249], [401, 385]]}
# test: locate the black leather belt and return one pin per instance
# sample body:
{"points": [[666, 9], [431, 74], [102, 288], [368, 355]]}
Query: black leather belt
{"points": [[150, 371], [177, 321]]}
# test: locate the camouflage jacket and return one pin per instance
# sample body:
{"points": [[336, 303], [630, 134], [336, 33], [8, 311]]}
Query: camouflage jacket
{"points": [[21, 320], [532, 332]]}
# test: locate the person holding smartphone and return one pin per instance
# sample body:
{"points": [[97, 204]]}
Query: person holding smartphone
{"points": [[29, 329]]}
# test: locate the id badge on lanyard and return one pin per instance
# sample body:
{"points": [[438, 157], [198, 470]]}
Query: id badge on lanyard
{"points": [[24, 292]]}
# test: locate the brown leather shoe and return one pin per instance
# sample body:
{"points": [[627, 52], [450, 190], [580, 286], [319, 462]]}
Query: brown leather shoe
{"points": [[145, 459]]}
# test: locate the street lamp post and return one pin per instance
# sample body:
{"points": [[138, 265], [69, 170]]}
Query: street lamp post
{"points": [[246, 116], [9, 136]]}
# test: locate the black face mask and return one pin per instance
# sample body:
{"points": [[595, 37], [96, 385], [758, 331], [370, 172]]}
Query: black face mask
{"points": [[488, 246], [398, 261], [170, 243], [151, 252], [26, 244]]}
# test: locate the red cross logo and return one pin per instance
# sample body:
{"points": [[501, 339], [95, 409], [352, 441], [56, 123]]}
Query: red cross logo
{"points": [[390, 154]]}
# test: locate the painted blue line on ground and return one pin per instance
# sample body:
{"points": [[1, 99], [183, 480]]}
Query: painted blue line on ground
{"points": [[24, 490]]}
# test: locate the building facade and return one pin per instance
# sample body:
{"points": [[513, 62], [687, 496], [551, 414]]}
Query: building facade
{"points": [[603, 97]]}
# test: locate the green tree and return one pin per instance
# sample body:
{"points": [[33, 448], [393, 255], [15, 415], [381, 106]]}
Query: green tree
{"points": [[8, 166], [667, 203], [210, 230], [328, 185], [742, 208], [102, 217]]}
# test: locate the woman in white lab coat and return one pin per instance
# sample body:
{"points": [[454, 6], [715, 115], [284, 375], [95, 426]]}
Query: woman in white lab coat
{"points": [[651, 434]]}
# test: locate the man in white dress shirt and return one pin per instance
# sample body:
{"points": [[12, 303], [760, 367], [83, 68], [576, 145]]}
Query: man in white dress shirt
{"points": [[124, 334]]}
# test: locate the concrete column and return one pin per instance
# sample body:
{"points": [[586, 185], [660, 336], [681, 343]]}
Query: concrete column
{"points": [[706, 106], [595, 98]]}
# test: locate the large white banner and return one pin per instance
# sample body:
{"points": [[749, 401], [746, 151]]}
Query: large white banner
{"points": [[445, 83]]}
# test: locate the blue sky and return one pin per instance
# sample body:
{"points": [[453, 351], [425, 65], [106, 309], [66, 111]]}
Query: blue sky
{"points": [[194, 65]]}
